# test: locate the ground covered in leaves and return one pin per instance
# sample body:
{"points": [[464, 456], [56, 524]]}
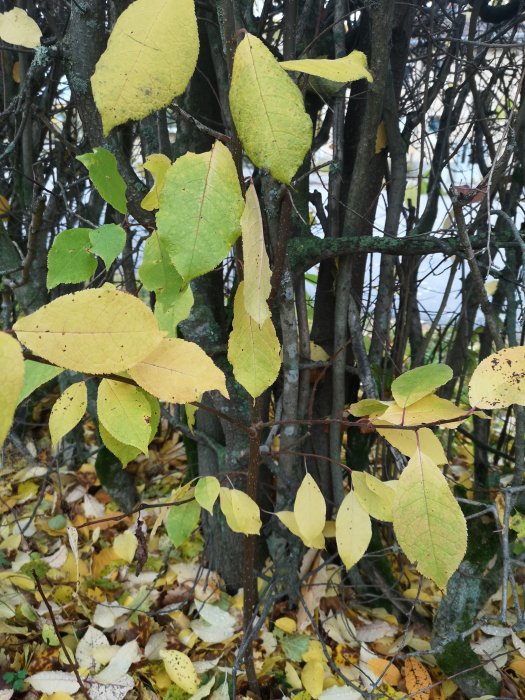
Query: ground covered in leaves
{"points": [[96, 603]]}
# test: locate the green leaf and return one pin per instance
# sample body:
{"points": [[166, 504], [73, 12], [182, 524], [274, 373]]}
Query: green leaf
{"points": [[182, 521], [150, 57], [294, 645], [428, 522], [101, 165], [125, 412], [70, 259], [200, 209], [339, 70], [172, 307], [253, 352], [365, 407], [67, 411], [127, 453], [268, 111], [499, 380], [11, 381], [36, 374], [107, 242], [418, 383], [207, 492]]}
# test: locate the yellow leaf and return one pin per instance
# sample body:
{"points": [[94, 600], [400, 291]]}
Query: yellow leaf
{"points": [[286, 624], [99, 331], [178, 371], [309, 509], [125, 412], [381, 138], [292, 677], [11, 381], [428, 522], [125, 545], [241, 512], [317, 354], [518, 666], [314, 652], [180, 669], [206, 492], [257, 271], [5, 207], [353, 530], [374, 495], [253, 352], [406, 441], [427, 410], [417, 679], [499, 380], [67, 411], [22, 581], [339, 70], [16, 27], [268, 111], [149, 60], [491, 286], [312, 677], [157, 164], [385, 669], [288, 520]]}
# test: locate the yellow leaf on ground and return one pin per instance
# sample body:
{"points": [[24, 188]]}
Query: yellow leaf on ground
{"points": [[353, 530], [178, 371], [417, 679], [518, 666], [180, 669], [253, 352], [375, 496], [309, 509], [407, 441], [385, 669], [11, 381], [257, 271], [157, 164], [268, 110], [339, 70], [125, 545], [499, 380], [125, 412], [241, 512], [312, 677], [99, 331], [149, 60], [67, 411], [16, 27], [286, 624], [428, 521]]}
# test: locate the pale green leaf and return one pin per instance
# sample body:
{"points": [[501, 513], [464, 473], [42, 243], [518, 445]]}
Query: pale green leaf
{"points": [[374, 495], [353, 530], [428, 522], [200, 209], [101, 165], [207, 492], [409, 441], [107, 242], [417, 383], [366, 407], [339, 70], [149, 60], [99, 331], [70, 259], [36, 374], [16, 27], [156, 272], [257, 271], [499, 380], [253, 352], [67, 411], [181, 521], [180, 670], [11, 381], [309, 509], [171, 307], [178, 371], [241, 512], [126, 453], [125, 412], [157, 164], [268, 111]]}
